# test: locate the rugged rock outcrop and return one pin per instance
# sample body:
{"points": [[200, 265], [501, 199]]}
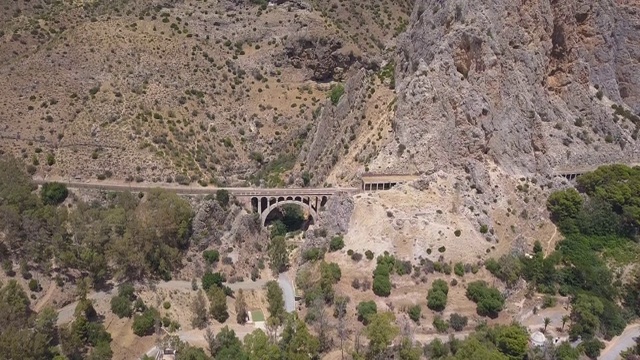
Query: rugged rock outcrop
{"points": [[326, 58], [528, 85], [336, 126]]}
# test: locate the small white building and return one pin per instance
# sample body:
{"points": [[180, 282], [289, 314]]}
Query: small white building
{"points": [[538, 339]]}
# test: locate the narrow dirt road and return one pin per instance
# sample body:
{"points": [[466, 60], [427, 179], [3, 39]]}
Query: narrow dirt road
{"points": [[45, 299], [287, 290], [548, 247], [620, 343]]}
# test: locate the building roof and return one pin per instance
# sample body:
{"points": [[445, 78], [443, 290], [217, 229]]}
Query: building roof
{"points": [[538, 338]]}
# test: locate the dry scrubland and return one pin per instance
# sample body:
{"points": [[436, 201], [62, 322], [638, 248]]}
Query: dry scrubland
{"points": [[207, 91]]}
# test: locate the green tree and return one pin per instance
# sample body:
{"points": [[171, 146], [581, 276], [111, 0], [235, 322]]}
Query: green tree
{"points": [[547, 321], [121, 306], [14, 305], [585, 315], [382, 285], [565, 318], [279, 254], [222, 197], [144, 324], [337, 243], [458, 322], [210, 280], [414, 313], [275, 298], [564, 204], [436, 349], [218, 308], [488, 299], [512, 340], [472, 348], [241, 308], [437, 295], [592, 348], [278, 228], [381, 331], [330, 274], [199, 310], [53, 193], [408, 351], [436, 300], [258, 347], [292, 218], [441, 325], [156, 235], [211, 256], [565, 351], [227, 346], [297, 342], [366, 309]]}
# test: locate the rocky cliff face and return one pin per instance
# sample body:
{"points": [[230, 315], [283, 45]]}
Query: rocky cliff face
{"points": [[530, 85]]}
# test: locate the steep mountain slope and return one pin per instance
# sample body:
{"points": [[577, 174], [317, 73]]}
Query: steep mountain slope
{"points": [[528, 85], [187, 90]]}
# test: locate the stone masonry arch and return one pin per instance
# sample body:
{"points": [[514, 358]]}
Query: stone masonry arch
{"points": [[264, 213]]}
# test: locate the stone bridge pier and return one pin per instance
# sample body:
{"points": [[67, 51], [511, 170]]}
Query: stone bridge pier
{"points": [[311, 204]]}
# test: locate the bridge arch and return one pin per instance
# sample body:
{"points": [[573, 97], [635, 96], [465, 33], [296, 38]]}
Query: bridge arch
{"points": [[265, 213]]}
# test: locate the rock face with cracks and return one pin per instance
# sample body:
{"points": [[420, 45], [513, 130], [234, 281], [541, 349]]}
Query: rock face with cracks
{"points": [[530, 86]]}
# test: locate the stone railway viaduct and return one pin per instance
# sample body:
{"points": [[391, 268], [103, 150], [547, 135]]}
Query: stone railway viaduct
{"points": [[264, 200], [261, 200]]}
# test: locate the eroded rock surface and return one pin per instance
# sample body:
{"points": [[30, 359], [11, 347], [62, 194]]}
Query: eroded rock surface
{"points": [[526, 85]]}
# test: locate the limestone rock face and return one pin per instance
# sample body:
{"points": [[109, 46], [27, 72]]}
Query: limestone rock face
{"points": [[528, 85]]}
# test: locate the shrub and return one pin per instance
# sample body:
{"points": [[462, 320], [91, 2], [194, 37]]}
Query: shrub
{"points": [[337, 243], [144, 324], [349, 252], [222, 197], [436, 300], [313, 254], [484, 229], [51, 159], [121, 306], [7, 266], [440, 324], [365, 309], [369, 254], [437, 296], [457, 321], [382, 285], [53, 193], [488, 299], [414, 313], [166, 305], [442, 249], [336, 93], [440, 285], [446, 268], [210, 279], [458, 269], [356, 256], [457, 233], [211, 256], [403, 267], [34, 285], [549, 301]]}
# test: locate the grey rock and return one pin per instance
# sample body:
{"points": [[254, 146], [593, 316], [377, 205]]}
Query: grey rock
{"points": [[505, 81]]}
